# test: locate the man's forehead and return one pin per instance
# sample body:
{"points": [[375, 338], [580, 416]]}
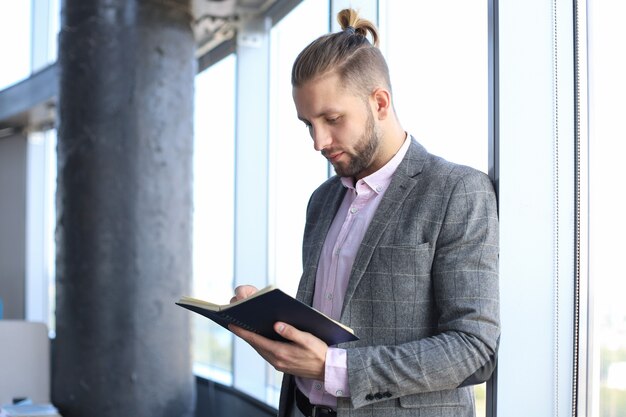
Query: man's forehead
{"points": [[322, 97]]}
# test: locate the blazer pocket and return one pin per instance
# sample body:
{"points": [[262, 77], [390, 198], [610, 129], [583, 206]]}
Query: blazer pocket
{"points": [[402, 260]]}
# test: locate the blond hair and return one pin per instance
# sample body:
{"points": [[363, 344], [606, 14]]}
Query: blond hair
{"points": [[349, 53]]}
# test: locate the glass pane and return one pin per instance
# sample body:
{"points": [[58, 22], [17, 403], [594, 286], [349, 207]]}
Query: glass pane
{"points": [[214, 181], [55, 18], [14, 41], [291, 155], [45, 32], [291, 148], [607, 224], [41, 175], [437, 54]]}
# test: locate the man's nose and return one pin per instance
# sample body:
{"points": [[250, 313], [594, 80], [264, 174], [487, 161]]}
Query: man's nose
{"points": [[321, 138]]}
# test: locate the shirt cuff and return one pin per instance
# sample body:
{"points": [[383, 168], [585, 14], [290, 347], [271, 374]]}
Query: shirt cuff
{"points": [[336, 373]]}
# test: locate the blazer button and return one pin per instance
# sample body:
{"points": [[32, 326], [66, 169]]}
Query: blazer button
{"points": [[378, 395], [387, 394], [369, 397]]}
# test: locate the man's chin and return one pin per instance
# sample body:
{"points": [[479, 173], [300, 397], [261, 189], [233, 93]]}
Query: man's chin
{"points": [[344, 173]]}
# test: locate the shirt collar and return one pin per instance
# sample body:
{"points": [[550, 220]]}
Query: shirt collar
{"points": [[378, 181]]}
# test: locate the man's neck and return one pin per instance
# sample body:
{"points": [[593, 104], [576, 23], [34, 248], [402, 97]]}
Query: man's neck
{"points": [[392, 142]]}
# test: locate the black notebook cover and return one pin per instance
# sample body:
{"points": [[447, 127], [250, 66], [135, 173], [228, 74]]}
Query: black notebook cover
{"points": [[259, 313]]}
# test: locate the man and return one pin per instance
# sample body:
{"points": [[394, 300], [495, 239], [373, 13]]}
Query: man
{"points": [[401, 246]]}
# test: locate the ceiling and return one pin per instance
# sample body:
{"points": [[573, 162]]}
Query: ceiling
{"points": [[216, 21]]}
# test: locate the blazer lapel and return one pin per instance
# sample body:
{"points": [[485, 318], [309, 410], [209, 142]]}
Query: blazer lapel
{"points": [[402, 183]]}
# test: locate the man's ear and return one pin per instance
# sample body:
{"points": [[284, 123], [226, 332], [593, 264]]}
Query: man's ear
{"points": [[382, 102]]}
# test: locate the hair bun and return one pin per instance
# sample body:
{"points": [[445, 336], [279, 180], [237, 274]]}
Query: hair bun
{"points": [[351, 23]]}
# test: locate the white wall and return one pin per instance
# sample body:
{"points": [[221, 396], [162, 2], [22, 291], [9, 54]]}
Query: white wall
{"points": [[13, 225]]}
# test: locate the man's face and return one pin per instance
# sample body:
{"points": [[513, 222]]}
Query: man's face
{"points": [[342, 125]]}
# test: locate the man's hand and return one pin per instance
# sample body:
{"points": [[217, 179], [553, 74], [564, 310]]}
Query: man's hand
{"points": [[243, 291], [305, 356]]}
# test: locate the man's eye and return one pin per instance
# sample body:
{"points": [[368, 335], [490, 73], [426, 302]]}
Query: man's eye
{"points": [[333, 120]]}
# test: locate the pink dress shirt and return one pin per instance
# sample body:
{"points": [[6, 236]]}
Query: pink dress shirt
{"points": [[338, 253]]}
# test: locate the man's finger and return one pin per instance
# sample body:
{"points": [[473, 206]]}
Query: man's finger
{"points": [[243, 291], [241, 332], [257, 341], [291, 333]]}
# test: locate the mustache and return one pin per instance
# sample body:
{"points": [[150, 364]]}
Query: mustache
{"points": [[328, 153]]}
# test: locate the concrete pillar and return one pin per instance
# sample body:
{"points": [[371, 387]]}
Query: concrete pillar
{"points": [[124, 204]]}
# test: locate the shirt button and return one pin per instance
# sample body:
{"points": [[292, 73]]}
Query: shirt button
{"points": [[339, 393], [329, 296], [354, 210], [379, 188], [318, 386]]}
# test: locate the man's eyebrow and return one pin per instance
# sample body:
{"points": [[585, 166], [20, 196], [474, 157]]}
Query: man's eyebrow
{"points": [[302, 119], [322, 113]]}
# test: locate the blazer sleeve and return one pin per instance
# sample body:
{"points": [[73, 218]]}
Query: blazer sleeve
{"points": [[464, 276]]}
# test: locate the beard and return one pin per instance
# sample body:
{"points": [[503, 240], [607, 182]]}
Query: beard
{"points": [[364, 150]]}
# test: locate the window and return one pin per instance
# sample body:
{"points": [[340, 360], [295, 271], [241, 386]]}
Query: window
{"points": [[291, 147], [55, 23], [44, 33], [15, 31], [437, 57], [295, 168], [28, 44], [607, 225], [213, 230], [40, 228]]}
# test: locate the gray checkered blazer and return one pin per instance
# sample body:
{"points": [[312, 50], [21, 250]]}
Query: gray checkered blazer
{"points": [[423, 292]]}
